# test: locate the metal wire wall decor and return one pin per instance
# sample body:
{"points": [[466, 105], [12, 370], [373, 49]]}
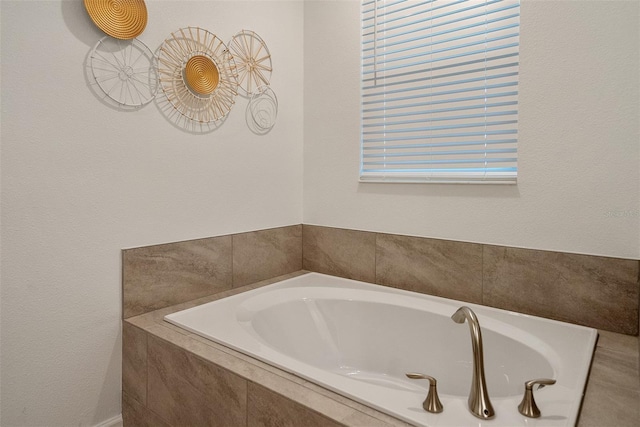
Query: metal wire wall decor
{"points": [[262, 110], [197, 74], [124, 70], [253, 60], [122, 19]]}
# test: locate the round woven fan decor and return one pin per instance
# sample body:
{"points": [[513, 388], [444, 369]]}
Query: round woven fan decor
{"points": [[253, 60], [121, 19], [197, 75], [201, 75]]}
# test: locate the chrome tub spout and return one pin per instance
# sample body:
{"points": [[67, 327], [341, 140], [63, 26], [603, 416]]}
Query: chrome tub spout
{"points": [[479, 403]]}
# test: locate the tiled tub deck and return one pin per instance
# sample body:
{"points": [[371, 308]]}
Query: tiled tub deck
{"points": [[173, 377]]}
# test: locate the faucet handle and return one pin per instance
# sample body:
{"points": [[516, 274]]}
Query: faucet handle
{"points": [[528, 406], [432, 402]]}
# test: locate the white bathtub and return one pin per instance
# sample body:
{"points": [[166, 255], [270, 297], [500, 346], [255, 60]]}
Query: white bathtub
{"points": [[360, 339]]}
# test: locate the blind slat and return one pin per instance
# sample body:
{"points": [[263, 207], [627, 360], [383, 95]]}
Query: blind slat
{"points": [[439, 90]]}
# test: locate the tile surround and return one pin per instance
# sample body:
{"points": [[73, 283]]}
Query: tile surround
{"points": [[599, 292], [165, 369], [134, 362], [264, 254], [137, 414], [437, 267], [269, 409], [338, 252], [184, 389], [613, 388], [164, 275], [594, 291], [189, 376]]}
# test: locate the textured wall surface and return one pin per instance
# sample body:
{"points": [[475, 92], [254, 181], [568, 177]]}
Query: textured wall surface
{"points": [[82, 180], [579, 116]]}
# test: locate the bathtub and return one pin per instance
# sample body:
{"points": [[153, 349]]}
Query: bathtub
{"points": [[359, 340]]}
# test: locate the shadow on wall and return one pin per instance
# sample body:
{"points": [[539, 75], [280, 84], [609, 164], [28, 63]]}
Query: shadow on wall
{"points": [[498, 191], [79, 23], [111, 383]]}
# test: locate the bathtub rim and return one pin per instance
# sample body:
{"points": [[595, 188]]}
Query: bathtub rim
{"points": [[581, 385]]}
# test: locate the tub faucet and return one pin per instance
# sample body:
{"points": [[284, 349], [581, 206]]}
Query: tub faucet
{"points": [[479, 403]]}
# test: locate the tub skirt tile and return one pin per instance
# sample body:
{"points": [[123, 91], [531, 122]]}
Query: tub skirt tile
{"points": [[187, 390], [437, 267], [615, 368], [588, 290], [135, 414], [134, 362], [269, 409], [606, 403]]}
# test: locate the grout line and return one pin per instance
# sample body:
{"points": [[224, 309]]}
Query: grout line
{"points": [[375, 258], [482, 275], [233, 276], [302, 246]]}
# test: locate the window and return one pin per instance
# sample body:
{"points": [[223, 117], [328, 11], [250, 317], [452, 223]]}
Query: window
{"points": [[439, 90]]}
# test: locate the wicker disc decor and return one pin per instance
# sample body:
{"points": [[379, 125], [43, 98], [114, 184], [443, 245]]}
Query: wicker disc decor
{"points": [[121, 19], [197, 74]]}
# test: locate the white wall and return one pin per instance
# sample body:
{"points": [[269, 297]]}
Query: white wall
{"points": [[579, 95], [81, 180]]}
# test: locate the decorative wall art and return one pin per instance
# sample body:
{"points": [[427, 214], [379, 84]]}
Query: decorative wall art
{"points": [[197, 74], [121, 65], [253, 60], [200, 76], [121, 19], [124, 70], [262, 110]]}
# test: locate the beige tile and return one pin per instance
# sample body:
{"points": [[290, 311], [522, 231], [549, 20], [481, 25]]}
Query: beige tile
{"points": [[153, 317], [283, 383], [163, 275], [134, 362], [359, 419], [269, 409], [187, 390], [615, 368], [339, 252], [265, 254], [607, 405], [627, 344], [135, 414], [593, 291], [437, 267]]}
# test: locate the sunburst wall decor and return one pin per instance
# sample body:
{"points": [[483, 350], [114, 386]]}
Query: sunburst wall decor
{"points": [[252, 59], [197, 74]]}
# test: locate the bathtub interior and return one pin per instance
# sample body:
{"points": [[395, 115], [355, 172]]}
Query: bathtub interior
{"points": [[359, 340], [379, 343]]}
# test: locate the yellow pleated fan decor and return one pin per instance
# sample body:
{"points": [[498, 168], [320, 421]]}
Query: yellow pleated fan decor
{"points": [[121, 19]]}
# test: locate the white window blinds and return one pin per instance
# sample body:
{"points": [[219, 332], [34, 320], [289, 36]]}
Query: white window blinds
{"points": [[439, 90]]}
